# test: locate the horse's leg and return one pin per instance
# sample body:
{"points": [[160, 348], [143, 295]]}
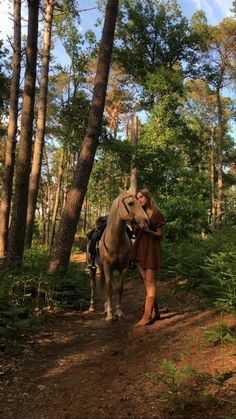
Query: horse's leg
{"points": [[108, 296], [103, 287], [92, 275], [118, 311]]}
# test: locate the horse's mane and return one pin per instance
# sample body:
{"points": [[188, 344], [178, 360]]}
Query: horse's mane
{"points": [[113, 208]]}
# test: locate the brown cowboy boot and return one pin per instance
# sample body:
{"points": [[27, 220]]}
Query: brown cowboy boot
{"points": [[147, 317], [155, 311]]}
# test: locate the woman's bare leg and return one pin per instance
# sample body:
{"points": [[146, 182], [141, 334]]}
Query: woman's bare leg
{"points": [[150, 282], [148, 276]]}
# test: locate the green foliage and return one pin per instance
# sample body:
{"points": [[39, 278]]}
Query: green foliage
{"points": [[207, 262], [15, 320], [221, 377], [185, 386], [151, 34], [29, 292], [219, 334], [4, 90], [175, 379], [110, 168], [220, 282], [71, 291], [173, 376]]}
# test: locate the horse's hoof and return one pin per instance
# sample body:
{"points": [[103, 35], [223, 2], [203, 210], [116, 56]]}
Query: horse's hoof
{"points": [[109, 318], [91, 309]]}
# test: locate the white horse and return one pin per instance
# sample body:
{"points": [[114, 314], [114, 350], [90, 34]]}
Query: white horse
{"points": [[114, 249]]}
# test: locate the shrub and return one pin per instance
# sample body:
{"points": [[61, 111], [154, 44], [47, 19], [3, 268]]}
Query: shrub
{"points": [[207, 262], [219, 333], [27, 291]]}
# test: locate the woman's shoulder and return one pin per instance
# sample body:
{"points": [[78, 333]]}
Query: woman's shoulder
{"points": [[157, 215]]}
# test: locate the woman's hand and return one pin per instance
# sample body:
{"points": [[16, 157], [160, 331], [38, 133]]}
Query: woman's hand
{"points": [[144, 226], [130, 216]]}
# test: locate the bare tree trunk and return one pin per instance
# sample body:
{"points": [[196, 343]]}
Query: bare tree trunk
{"points": [[56, 201], [49, 211], [212, 178], [65, 237], [41, 122], [66, 178], [44, 223], [220, 159], [134, 142], [17, 230], [12, 130], [49, 188], [85, 220]]}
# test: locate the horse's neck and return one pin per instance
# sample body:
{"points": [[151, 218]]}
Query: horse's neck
{"points": [[115, 225]]}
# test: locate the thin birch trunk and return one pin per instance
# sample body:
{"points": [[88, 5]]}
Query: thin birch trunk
{"points": [[12, 131]]}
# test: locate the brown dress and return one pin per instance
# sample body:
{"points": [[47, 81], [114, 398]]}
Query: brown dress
{"points": [[146, 250]]}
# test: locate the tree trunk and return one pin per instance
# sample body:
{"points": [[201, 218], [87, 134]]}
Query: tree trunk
{"points": [[134, 142], [41, 122], [56, 201], [66, 178], [220, 159], [212, 178], [44, 223], [49, 200], [85, 220], [12, 130], [65, 237], [17, 230]]}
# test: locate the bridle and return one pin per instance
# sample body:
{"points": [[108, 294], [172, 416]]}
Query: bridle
{"points": [[123, 202], [129, 212]]}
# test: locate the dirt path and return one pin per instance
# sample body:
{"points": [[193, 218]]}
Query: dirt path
{"points": [[78, 367]]}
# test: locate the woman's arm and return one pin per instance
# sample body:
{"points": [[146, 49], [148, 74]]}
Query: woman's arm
{"points": [[158, 233]]}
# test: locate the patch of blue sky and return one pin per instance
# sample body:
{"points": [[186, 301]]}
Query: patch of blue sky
{"points": [[215, 10]]}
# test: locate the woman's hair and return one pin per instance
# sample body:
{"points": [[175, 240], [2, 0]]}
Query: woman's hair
{"points": [[151, 201]]}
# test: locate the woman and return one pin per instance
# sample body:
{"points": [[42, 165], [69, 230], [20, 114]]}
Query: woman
{"points": [[146, 252]]}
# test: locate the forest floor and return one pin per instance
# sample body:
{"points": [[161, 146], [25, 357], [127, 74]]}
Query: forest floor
{"points": [[79, 367]]}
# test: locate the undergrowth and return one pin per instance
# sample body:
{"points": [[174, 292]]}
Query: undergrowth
{"points": [[221, 334], [186, 388], [27, 294], [207, 263]]}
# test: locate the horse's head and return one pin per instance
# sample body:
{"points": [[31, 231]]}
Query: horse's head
{"points": [[129, 204]]}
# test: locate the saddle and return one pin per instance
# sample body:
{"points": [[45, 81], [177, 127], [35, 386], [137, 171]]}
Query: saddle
{"points": [[95, 234]]}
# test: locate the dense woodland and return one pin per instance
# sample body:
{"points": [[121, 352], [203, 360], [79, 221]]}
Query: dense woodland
{"points": [[158, 98]]}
